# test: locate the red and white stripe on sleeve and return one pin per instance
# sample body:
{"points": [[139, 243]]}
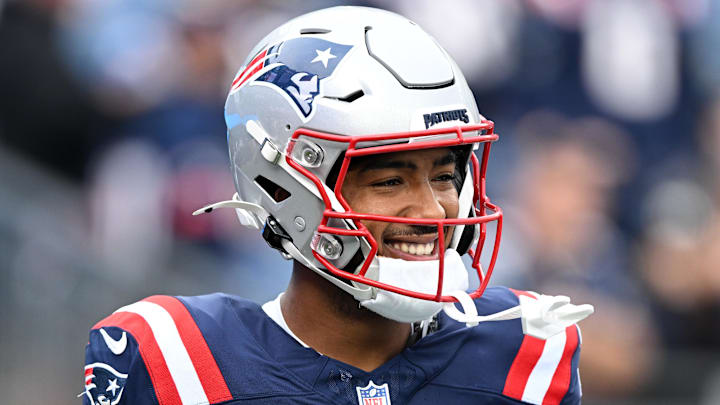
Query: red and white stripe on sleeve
{"points": [[178, 360], [541, 371]]}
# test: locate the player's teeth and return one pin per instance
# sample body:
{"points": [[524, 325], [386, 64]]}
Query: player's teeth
{"points": [[419, 249]]}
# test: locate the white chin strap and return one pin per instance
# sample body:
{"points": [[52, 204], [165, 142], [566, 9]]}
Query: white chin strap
{"points": [[542, 316]]}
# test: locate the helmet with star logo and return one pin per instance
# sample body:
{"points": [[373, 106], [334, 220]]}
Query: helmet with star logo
{"points": [[334, 85]]}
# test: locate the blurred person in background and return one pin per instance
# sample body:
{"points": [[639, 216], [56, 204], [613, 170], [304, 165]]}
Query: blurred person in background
{"points": [[45, 114], [679, 259], [161, 159], [561, 237], [680, 249]]}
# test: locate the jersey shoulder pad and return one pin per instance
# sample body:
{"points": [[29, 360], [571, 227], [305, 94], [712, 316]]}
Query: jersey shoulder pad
{"points": [[544, 371], [156, 351], [514, 367]]}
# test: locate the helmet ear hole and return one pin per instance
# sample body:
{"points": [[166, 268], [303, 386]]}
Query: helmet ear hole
{"points": [[273, 190]]}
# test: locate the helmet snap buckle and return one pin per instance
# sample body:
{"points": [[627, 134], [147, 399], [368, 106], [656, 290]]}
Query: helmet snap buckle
{"points": [[270, 152]]}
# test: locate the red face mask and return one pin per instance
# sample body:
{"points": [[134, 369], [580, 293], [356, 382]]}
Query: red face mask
{"points": [[482, 211]]}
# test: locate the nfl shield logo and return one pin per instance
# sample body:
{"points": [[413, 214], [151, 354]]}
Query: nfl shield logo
{"points": [[373, 394]]}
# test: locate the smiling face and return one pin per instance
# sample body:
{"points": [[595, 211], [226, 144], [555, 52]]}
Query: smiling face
{"points": [[413, 184]]}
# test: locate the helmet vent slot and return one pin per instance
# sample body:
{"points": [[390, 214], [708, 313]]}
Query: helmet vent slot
{"points": [[273, 190], [307, 31], [350, 97]]}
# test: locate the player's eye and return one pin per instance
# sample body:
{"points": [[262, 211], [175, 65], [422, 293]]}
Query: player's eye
{"points": [[395, 181], [445, 177]]}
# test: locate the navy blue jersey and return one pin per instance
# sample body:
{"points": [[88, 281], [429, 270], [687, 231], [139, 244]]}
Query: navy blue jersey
{"points": [[218, 348]]}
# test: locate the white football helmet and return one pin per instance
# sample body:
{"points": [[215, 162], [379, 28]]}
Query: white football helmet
{"points": [[332, 85]]}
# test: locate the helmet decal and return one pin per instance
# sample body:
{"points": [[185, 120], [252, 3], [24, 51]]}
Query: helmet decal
{"points": [[445, 116], [296, 67]]}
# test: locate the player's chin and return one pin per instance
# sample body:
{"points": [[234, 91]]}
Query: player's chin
{"points": [[410, 251]]}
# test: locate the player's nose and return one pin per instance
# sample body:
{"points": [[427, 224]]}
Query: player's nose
{"points": [[425, 203]]}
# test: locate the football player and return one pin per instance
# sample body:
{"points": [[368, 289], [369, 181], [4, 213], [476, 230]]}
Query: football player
{"points": [[358, 151]]}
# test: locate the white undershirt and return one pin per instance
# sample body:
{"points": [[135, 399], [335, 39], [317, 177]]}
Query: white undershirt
{"points": [[272, 309]]}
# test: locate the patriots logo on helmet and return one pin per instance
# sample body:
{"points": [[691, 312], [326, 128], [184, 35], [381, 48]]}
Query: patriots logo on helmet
{"points": [[373, 394], [296, 67], [103, 384]]}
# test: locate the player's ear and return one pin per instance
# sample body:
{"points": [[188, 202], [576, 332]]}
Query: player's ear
{"points": [[274, 190], [280, 194]]}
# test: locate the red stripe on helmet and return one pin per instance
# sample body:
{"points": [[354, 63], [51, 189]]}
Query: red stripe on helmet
{"points": [[246, 73]]}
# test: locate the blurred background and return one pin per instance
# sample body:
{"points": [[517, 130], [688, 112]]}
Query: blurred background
{"points": [[608, 170]]}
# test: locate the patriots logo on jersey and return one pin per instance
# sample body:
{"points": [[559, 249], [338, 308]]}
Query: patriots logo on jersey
{"points": [[296, 67], [103, 384], [373, 394]]}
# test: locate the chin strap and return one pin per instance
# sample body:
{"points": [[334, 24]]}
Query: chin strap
{"points": [[249, 214], [542, 316]]}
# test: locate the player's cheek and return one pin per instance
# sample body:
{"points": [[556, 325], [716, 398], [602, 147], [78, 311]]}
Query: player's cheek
{"points": [[450, 202]]}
